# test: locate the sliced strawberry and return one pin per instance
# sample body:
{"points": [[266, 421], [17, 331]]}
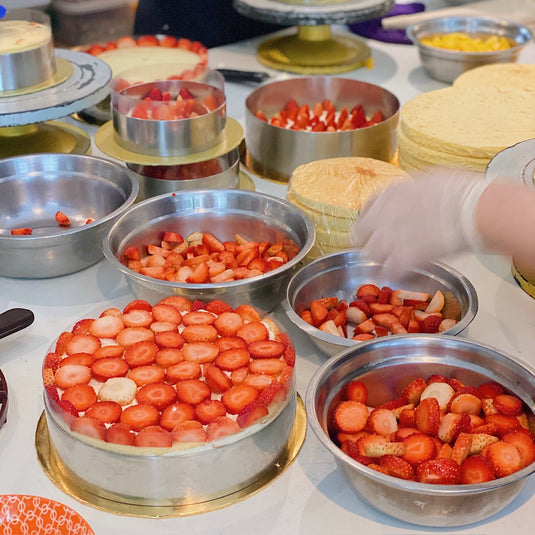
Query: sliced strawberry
{"points": [[141, 353], [419, 448], [407, 418], [505, 458], [82, 326], [354, 450], [288, 354], [438, 472], [377, 446], [232, 359], [106, 368], [216, 379], [106, 327], [66, 406], [238, 376], [247, 313], [153, 437], [228, 323], [144, 375], [165, 312], [218, 307], [169, 356], [461, 447], [476, 469], [119, 389], [192, 391], [382, 422], [132, 335], [430, 324], [182, 304], [467, 403], [21, 231], [230, 342], [524, 442], [351, 416], [198, 317], [397, 467], [266, 366], [62, 219], [50, 389], [84, 359], [451, 425], [108, 351], [61, 342], [160, 395], [82, 343], [169, 339], [107, 412], [175, 414], [266, 349], [508, 404], [120, 433], [413, 390], [253, 332], [82, 396], [200, 352], [489, 390], [137, 317], [428, 416], [140, 416], [221, 427], [52, 361], [199, 333], [238, 396], [90, 427], [189, 431], [251, 413], [274, 393], [209, 409], [182, 371], [503, 423], [71, 375]]}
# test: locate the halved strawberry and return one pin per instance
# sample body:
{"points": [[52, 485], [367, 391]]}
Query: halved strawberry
{"points": [[62, 219], [505, 458], [288, 354], [153, 436], [66, 406], [189, 431], [377, 446], [209, 409], [413, 390], [508, 404], [476, 469], [238, 396], [108, 367], [106, 326], [428, 416], [221, 427], [160, 395], [82, 326], [84, 359], [397, 467], [274, 393], [107, 412], [461, 447], [184, 370], [232, 359], [218, 307], [350, 416], [353, 449], [71, 375], [192, 391], [266, 366], [52, 361], [200, 352], [467, 403], [181, 303], [419, 448], [524, 442], [141, 353], [169, 339], [144, 375], [452, 424], [139, 416], [368, 290], [21, 231], [503, 423], [247, 313], [137, 317], [253, 332], [266, 349], [132, 335], [199, 333], [169, 356], [251, 413], [175, 414], [430, 324], [82, 396], [489, 390], [438, 472], [90, 427], [120, 433], [228, 323], [382, 422], [82, 343]]}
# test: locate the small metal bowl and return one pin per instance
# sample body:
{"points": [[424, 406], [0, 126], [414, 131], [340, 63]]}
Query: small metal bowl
{"points": [[275, 152], [174, 137], [445, 65], [224, 213], [33, 188], [340, 274], [217, 173], [386, 366]]}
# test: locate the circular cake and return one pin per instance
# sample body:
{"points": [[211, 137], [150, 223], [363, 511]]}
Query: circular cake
{"points": [[22, 35], [142, 401]]}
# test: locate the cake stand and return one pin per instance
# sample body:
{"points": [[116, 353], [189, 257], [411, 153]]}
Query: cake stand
{"points": [[28, 116], [313, 49]]}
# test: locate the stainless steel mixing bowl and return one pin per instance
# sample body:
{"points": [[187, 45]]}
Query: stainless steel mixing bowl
{"points": [[224, 213], [34, 187], [390, 364], [445, 65], [340, 274]]}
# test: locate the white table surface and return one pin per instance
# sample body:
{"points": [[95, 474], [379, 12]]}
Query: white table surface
{"points": [[311, 496]]}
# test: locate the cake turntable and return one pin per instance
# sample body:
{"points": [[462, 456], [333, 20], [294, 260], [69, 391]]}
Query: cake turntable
{"points": [[314, 49]]}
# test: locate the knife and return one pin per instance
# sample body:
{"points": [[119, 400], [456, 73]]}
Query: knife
{"points": [[233, 75], [14, 320]]}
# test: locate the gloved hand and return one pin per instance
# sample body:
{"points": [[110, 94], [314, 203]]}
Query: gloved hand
{"points": [[411, 223]]}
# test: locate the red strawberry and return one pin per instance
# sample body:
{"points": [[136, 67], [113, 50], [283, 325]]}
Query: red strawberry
{"points": [[153, 437], [144, 375], [508, 404], [353, 449], [165, 312], [139, 416], [217, 307], [251, 413], [192, 391], [68, 407], [71, 375], [198, 317], [189, 431], [350, 416], [120, 433], [266, 366], [82, 396], [168, 356], [430, 324], [182, 371], [407, 418], [221, 427], [61, 342], [106, 368], [200, 352], [505, 458], [175, 414], [232, 359], [247, 313], [428, 416], [228, 323], [503, 423], [216, 379], [368, 290], [382, 422], [50, 389], [183, 304], [108, 351], [169, 339], [84, 359], [419, 448], [451, 425], [21, 231], [289, 352], [132, 335], [89, 426], [476, 469], [82, 326], [489, 390], [413, 391], [62, 219], [468, 403], [397, 467], [106, 327], [524, 442], [137, 317], [461, 447], [438, 472], [141, 353], [209, 409], [199, 333], [107, 412], [253, 332], [82, 343], [265, 349], [273, 393], [238, 396], [159, 395], [52, 360]]}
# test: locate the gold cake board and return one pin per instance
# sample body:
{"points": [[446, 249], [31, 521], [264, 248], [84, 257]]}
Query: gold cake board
{"points": [[527, 285], [78, 489]]}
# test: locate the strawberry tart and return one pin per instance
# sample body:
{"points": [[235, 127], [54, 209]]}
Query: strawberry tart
{"points": [[144, 400]]}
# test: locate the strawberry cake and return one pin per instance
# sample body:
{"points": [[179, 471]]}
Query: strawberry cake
{"points": [[144, 400]]}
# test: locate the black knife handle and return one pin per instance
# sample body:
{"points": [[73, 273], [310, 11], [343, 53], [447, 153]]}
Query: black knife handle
{"points": [[232, 75], [14, 320]]}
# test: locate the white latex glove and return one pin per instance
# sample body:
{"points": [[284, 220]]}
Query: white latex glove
{"points": [[414, 222]]}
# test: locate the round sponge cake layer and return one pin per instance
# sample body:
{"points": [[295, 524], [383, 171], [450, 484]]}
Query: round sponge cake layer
{"points": [[22, 35]]}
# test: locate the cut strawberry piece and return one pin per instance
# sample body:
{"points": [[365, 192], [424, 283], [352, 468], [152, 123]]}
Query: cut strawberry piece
{"points": [[120, 433], [89, 427], [461, 448], [182, 304], [503, 423], [144, 375], [430, 324], [172, 339], [438, 472], [489, 390], [452, 424], [382, 422], [368, 290], [232, 359], [140, 416], [253, 332], [164, 312], [169, 356], [192, 391], [82, 343], [508, 404], [66, 406], [141, 353], [407, 418], [21, 231], [153, 437], [228, 323], [200, 333], [266, 349], [428, 416], [257, 380], [133, 335], [71, 375], [216, 379], [106, 327], [107, 412], [247, 313], [467, 403], [160, 395], [251, 413], [82, 326], [524, 442], [350, 416], [274, 393], [173, 237], [82, 396], [353, 449], [288, 354], [221, 427], [319, 312], [52, 361], [137, 304], [137, 318], [266, 366], [476, 469], [397, 467], [413, 390], [419, 448], [175, 414], [189, 431], [505, 458], [377, 446], [198, 317], [209, 409], [119, 389], [62, 219], [218, 307], [238, 396], [106, 368], [200, 352]]}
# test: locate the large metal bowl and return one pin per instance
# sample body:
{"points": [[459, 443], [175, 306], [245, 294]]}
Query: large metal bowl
{"points": [[33, 188], [224, 213], [340, 274], [445, 65], [275, 152], [390, 364]]}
